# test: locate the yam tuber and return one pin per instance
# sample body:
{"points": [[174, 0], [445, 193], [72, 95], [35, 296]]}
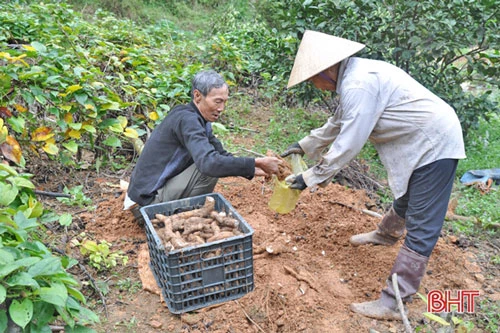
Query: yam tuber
{"points": [[284, 169], [229, 222], [194, 224], [220, 236], [215, 227], [195, 227], [195, 239], [178, 242], [204, 211], [206, 235]]}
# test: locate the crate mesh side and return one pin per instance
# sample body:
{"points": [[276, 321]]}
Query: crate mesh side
{"points": [[206, 275]]}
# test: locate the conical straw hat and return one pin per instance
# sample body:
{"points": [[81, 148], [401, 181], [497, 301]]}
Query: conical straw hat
{"points": [[317, 52]]}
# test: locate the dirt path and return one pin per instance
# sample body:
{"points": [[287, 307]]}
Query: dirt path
{"points": [[313, 240]]}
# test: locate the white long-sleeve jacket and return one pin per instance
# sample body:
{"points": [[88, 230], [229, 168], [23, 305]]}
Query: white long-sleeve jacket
{"points": [[409, 125]]}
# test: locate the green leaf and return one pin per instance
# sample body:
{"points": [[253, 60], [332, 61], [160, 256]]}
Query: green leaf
{"points": [[22, 279], [24, 262], [68, 280], [6, 257], [19, 235], [75, 126], [84, 315], [72, 146], [218, 127], [22, 182], [8, 193], [65, 219], [47, 266], [65, 315], [56, 294], [36, 208], [113, 141], [36, 248], [68, 262], [89, 246], [41, 99], [78, 329], [111, 106], [39, 47], [435, 318], [8, 169], [81, 98], [3, 320], [73, 88], [44, 315], [89, 128], [21, 312], [109, 122], [3, 295], [18, 124], [117, 128], [23, 222], [79, 70], [76, 294], [423, 298], [5, 84], [48, 217]]}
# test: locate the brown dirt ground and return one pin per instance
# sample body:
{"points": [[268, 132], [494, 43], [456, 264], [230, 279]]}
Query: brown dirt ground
{"points": [[314, 241]]}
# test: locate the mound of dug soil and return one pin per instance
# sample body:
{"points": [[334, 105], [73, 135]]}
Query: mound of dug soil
{"points": [[305, 285]]}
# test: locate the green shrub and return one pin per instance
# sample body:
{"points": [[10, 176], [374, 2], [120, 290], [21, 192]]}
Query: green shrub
{"points": [[35, 287]]}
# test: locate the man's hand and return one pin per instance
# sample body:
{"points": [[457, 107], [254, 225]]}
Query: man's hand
{"points": [[267, 164], [294, 148], [260, 173], [296, 182]]}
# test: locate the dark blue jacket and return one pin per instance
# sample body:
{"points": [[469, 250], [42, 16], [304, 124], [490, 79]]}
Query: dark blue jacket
{"points": [[184, 137]]}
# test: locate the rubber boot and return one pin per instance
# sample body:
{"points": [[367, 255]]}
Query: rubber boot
{"points": [[388, 232], [410, 268]]}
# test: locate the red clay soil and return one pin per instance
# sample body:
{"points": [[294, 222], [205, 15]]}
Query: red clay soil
{"points": [[312, 241]]}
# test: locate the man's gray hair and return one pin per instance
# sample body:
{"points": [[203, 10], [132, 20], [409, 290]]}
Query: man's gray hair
{"points": [[205, 81]]}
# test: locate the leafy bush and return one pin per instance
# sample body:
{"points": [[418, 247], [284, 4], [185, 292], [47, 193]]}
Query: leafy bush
{"points": [[99, 254], [35, 288], [70, 84]]}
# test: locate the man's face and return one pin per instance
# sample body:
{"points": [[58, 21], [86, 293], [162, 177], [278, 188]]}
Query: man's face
{"points": [[212, 105], [323, 83], [327, 79]]}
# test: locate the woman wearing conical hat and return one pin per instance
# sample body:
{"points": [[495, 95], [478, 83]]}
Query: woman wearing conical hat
{"points": [[418, 138]]}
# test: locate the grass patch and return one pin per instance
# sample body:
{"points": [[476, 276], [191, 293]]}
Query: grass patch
{"points": [[288, 125], [483, 152]]}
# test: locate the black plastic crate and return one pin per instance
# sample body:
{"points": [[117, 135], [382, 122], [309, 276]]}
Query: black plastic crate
{"points": [[198, 276]]}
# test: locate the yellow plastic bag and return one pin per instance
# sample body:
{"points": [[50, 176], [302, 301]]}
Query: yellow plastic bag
{"points": [[284, 199]]}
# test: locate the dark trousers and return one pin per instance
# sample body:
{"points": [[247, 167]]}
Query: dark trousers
{"points": [[189, 183], [425, 204]]}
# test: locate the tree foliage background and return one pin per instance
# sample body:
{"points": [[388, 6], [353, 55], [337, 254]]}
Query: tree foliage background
{"points": [[87, 79], [446, 45]]}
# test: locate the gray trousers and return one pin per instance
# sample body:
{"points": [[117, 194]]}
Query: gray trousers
{"points": [[425, 204], [189, 183]]}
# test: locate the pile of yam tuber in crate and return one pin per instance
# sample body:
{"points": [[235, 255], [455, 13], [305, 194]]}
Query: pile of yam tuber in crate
{"points": [[195, 227]]}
